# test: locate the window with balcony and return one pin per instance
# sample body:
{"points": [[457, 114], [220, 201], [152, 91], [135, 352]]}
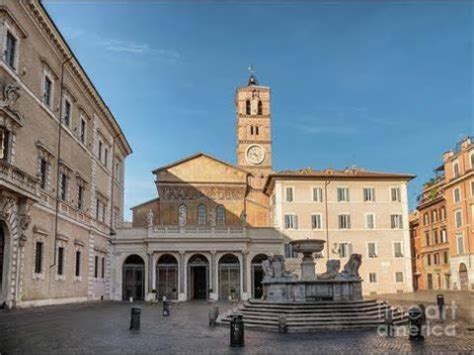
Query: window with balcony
{"points": [[43, 176], [395, 194], [369, 194], [344, 221], [371, 249], [63, 187], [396, 221], [11, 50], [342, 194], [316, 221], [80, 194], [317, 194], [435, 236], [67, 113], [458, 219], [4, 144], [398, 249], [83, 131], [436, 259], [345, 250], [289, 194], [291, 221], [370, 221]]}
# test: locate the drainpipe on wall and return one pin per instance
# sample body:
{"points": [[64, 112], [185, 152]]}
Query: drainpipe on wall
{"points": [[326, 183]]}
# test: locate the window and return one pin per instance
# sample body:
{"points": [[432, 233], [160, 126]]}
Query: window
{"points": [[103, 268], [78, 263], [344, 221], [67, 112], [396, 221], [436, 259], [435, 236], [80, 196], [428, 259], [369, 194], [442, 213], [289, 252], [456, 169], [370, 221], [43, 173], [256, 130], [106, 157], [202, 214], [83, 131], [247, 107], [342, 194], [11, 48], [4, 143], [434, 216], [372, 277], [316, 222], [289, 194], [458, 219], [460, 243], [317, 194], [220, 215], [399, 277], [291, 221], [99, 153], [426, 219], [39, 258], [445, 257], [100, 210], [97, 209], [444, 236], [96, 266], [61, 261], [371, 250], [395, 194], [457, 195], [64, 186], [427, 238], [345, 250], [47, 90], [251, 130], [397, 250], [260, 108], [182, 214]]}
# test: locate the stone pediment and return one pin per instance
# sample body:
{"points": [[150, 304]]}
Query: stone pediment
{"points": [[201, 168]]}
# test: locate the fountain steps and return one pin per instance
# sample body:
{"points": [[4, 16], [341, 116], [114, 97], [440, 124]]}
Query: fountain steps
{"points": [[315, 316]]}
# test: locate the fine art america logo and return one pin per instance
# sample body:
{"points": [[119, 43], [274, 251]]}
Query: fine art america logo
{"points": [[424, 321]]}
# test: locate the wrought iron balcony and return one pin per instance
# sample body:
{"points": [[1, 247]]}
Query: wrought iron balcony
{"points": [[16, 180]]}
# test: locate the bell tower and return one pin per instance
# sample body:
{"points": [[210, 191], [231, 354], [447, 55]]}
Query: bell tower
{"points": [[254, 145]]}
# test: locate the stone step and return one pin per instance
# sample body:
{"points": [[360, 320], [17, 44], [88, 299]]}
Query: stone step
{"points": [[311, 304], [319, 317], [376, 308]]}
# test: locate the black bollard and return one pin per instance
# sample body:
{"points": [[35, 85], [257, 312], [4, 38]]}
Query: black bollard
{"points": [[166, 308], [135, 318], [389, 322], [236, 331], [213, 314], [416, 319], [282, 325], [440, 302]]}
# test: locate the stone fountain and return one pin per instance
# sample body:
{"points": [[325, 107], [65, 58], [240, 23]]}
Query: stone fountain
{"points": [[280, 285]]}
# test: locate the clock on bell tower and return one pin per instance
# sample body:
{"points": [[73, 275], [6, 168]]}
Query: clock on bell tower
{"points": [[254, 145]]}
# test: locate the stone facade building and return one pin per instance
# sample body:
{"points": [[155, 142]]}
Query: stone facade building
{"points": [[354, 211], [61, 184]]}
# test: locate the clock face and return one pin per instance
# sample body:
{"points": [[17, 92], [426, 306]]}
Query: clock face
{"points": [[255, 154]]}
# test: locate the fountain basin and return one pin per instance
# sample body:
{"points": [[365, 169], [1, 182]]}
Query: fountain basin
{"points": [[308, 245]]}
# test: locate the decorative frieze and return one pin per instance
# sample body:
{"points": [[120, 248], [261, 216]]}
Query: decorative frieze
{"points": [[190, 193]]}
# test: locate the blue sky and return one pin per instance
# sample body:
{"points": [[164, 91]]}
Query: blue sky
{"points": [[380, 85]]}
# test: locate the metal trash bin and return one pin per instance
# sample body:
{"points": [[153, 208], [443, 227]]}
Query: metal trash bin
{"points": [[236, 331], [416, 320], [135, 318], [440, 302], [166, 308]]}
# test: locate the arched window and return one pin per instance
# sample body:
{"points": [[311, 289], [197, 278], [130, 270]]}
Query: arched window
{"points": [[220, 215], [247, 107], [260, 107], [182, 214], [456, 169], [4, 143], [256, 130], [251, 130], [202, 214]]}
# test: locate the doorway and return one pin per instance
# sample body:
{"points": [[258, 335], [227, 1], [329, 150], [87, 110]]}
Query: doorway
{"points": [[430, 281], [463, 278], [198, 271], [229, 277], [133, 278], [257, 275], [167, 276]]}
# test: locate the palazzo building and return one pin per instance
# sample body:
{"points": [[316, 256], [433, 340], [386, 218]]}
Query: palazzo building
{"points": [[61, 167]]}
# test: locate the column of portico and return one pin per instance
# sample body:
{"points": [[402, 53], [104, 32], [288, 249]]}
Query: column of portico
{"points": [[150, 275], [243, 268], [182, 273], [213, 276]]}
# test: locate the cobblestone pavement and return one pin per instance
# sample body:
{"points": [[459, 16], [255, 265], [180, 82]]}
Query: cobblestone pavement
{"points": [[103, 328]]}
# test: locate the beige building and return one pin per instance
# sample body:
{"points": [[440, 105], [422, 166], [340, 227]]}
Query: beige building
{"points": [[61, 185], [355, 211]]}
